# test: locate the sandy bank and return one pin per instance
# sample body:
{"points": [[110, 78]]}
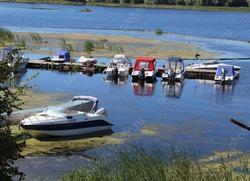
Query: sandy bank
{"points": [[107, 46]]}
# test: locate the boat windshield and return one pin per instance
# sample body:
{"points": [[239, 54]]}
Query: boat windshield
{"points": [[53, 111], [174, 66], [121, 60]]}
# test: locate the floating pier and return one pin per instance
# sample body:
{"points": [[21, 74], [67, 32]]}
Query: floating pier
{"points": [[66, 66], [100, 68]]}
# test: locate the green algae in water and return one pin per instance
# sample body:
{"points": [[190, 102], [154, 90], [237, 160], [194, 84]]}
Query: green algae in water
{"points": [[62, 146]]}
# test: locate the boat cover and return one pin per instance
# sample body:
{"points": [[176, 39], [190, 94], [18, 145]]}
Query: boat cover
{"points": [[63, 53], [147, 63], [83, 59], [228, 69]]}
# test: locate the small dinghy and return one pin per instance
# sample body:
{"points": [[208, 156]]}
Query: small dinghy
{"points": [[119, 67], [82, 117], [226, 74]]}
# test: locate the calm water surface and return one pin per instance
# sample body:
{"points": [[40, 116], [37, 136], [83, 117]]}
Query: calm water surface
{"points": [[195, 116], [226, 25]]}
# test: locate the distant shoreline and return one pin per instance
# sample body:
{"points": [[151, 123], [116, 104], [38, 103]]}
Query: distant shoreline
{"points": [[128, 5]]}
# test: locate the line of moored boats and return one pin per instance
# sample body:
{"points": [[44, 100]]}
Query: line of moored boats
{"points": [[145, 69]]}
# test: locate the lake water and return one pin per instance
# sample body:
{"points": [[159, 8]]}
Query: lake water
{"points": [[197, 112], [226, 25]]}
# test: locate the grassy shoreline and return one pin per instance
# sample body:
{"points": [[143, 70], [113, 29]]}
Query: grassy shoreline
{"points": [[148, 6], [173, 7], [137, 165]]}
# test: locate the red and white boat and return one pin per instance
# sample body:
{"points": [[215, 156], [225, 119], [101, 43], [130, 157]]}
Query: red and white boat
{"points": [[144, 69]]}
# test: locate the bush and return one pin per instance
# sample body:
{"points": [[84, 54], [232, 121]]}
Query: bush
{"points": [[158, 32], [88, 46], [86, 10]]}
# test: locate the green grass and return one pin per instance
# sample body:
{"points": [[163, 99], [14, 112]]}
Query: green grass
{"points": [[138, 165]]}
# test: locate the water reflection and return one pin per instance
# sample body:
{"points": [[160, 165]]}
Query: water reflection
{"points": [[143, 89], [220, 89], [173, 89], [116, 80]]}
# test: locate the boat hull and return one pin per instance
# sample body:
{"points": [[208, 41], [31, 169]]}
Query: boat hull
{"points": [[69, 129], [178, 78]]}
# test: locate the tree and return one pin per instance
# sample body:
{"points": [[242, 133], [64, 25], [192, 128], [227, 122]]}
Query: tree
{"points": [[237, 3], [10, 149]]}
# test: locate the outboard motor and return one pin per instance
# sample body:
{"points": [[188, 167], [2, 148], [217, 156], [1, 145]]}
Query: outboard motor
{"points": [[116, 72], [171, 76], [142, 75], [223, 75]]}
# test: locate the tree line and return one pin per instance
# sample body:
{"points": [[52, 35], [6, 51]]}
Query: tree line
{"points": [[232, 3]]}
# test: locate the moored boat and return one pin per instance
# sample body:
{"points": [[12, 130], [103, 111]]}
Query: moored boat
{"points": [[226, 74], [210, 65], [61, 56], [144, 69], [87, 60], [174, 70], [119, 66]]}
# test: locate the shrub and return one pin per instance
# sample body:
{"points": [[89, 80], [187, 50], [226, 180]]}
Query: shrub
{"points": [[158, 32], [88, 46]]}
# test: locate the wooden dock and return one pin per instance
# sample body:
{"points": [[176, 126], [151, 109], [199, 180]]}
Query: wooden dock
{"points": [[99, 68], [66, 66], [200, 74]]}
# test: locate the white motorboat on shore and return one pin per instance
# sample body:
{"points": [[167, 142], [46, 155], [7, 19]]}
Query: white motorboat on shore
{"points": [[82, 117], [174, 70], [119, 66]]}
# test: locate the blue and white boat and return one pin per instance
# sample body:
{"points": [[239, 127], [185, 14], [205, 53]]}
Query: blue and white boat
{"points": [[61, 56], [82, 117], [226, 74]]}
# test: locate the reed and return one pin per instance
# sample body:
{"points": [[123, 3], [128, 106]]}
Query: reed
{"points": [[139, 165], [36, 38], [6, 36]]}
